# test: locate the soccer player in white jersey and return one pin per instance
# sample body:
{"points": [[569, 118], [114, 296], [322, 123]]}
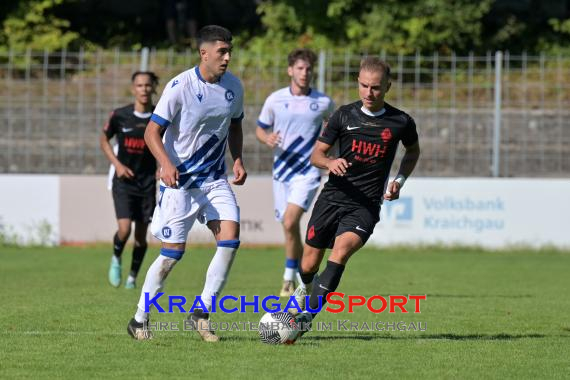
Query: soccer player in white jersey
{"points": [[201, 109], [289, 123]]}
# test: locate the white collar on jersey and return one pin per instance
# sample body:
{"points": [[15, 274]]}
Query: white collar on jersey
{"points": [[307, 94], [142, 115], [366, 111]]}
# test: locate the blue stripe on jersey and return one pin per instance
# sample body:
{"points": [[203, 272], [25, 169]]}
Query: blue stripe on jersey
{"points": [[211, 161], [304, 171], [201, 178], [263, 125], [302, 168], [186, 165], [287, 152], [221, 170], [295, 158], [159, 120], [236, 119]]}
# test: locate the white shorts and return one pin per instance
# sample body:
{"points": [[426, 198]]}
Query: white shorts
{"points": [[177, 209], [300, 191]]}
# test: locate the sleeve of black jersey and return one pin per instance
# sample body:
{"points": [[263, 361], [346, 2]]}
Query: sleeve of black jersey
{"points": [[110, 128], [332, 130], [410, 136]]}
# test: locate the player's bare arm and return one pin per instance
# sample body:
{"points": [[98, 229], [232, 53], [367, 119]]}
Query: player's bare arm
{"points": [[235, 143], [152, 137], [319, 158], [271, 139], [122, 170], [407, 165]]}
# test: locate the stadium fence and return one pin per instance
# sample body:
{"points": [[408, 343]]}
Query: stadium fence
{"points": [[494, 115]]}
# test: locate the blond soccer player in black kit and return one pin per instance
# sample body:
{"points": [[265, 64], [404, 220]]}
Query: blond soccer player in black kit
{"points": [[368, 133], [134, 182]]}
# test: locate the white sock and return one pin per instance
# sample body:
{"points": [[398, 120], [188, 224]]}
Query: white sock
{"points": [[131, 278], [153, 283], [291, 269], [299, 279], [289, 274], [218, 272]]}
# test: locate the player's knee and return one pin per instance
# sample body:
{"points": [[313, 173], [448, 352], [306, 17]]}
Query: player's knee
{"points": [[309, 266], [140, 239], [140, 243], [311, 260], [291, 225], [123, 233]]}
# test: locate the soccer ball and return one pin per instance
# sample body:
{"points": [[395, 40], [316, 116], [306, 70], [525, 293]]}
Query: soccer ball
{"points": [[277, 328]]}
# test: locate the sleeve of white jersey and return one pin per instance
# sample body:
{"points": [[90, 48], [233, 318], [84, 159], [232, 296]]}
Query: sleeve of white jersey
{"points": [[169, 104], [238, 113], [266, 117]]}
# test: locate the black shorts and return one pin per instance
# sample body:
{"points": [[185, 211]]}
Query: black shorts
{"points": [[330, 220], [139, 207]]}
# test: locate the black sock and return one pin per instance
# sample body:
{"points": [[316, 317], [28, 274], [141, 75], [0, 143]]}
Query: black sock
{"points": [[200, 314], [307, 278], [118, 245], [138, 256], [328, 282]]}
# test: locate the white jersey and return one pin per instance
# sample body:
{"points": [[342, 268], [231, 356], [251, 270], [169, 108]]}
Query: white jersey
{"points": [[298, 120], [197, 115]]}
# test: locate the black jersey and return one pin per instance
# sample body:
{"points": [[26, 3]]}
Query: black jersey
{"points": [[133, 152], [369, 144]]}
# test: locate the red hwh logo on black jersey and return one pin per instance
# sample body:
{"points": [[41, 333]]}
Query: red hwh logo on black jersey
{"points": [[368, 148], [134, 143]]}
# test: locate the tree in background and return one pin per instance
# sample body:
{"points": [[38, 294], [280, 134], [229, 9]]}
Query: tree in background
{"points": [[392, 26], [31, 24], [389, 25], [416, 25]]}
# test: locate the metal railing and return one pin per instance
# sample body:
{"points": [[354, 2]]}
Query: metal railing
{"points": [[475, 117]]}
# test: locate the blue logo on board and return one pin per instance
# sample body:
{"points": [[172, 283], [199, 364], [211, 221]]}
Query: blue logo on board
{"points": [[401, 210]]}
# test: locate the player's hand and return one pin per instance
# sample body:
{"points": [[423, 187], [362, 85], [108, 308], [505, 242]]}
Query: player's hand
{"points": [[124, 172], [392, 191], [338, 166], [273, 139], [239, 173], [169, 175]]}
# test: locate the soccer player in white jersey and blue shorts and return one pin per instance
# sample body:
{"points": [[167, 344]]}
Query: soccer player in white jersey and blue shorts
{"points": [[201, 109], [289, 123]]}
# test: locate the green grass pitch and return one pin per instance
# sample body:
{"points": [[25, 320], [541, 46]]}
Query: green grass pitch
{"points": [[488, 315]]}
